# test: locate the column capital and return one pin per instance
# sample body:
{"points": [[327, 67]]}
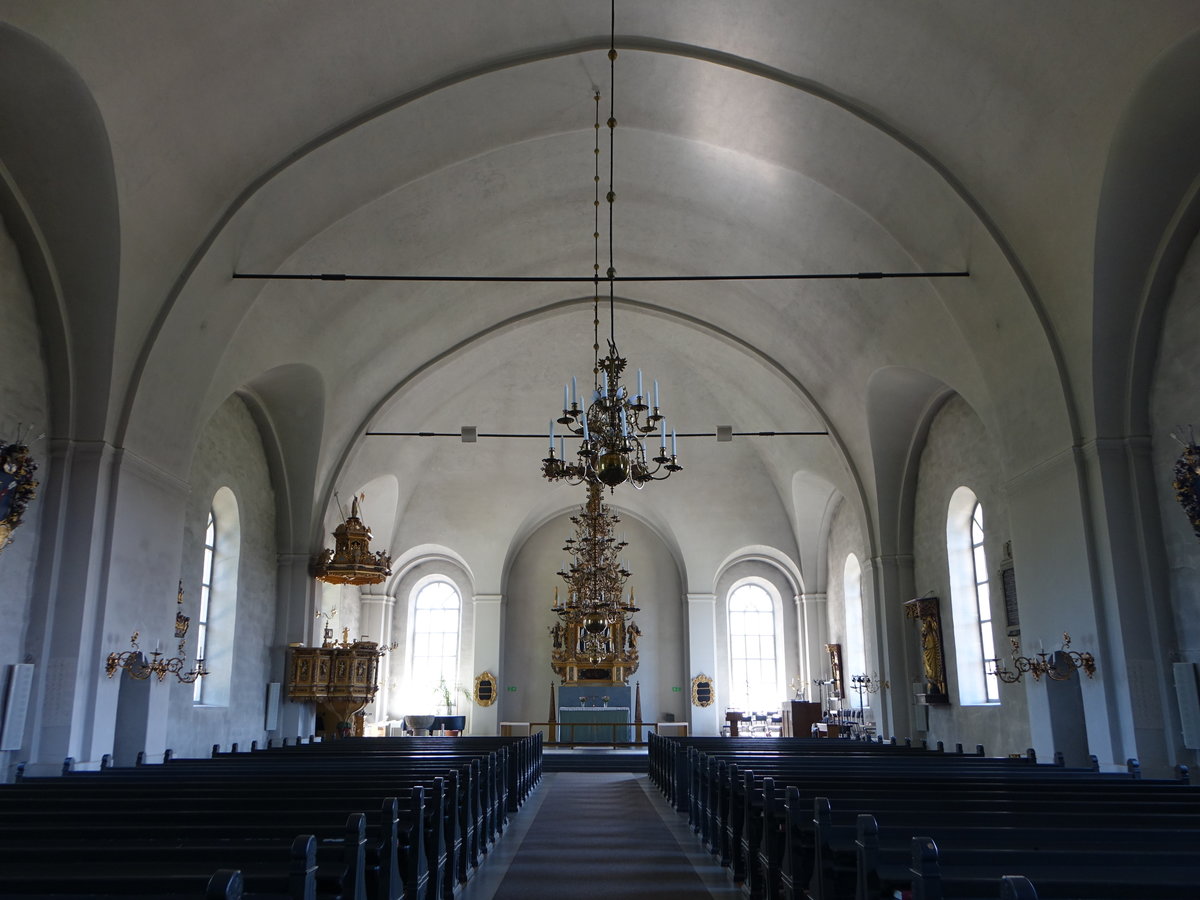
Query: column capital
{"points": [[382, 599], [700, 597], [894, 561], [479, 599]]}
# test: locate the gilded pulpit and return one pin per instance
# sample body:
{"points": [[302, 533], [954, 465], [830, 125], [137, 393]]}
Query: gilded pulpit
{"points": [[341, 678]]}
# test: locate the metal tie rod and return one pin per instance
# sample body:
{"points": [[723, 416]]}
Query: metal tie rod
{"points": [[588, 279]]}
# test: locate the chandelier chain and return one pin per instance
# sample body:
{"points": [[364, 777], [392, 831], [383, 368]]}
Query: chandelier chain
{"points": [[615, 421]]}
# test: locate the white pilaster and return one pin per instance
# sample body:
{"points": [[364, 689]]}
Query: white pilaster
{"points": [[375, 621], [485, 656], [812, 617], [702, 658]]}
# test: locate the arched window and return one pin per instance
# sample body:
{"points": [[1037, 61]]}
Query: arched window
{"points": [[206, 578], [433, 654], [856, 653], [753, 658], [218, 600], [974, 644]]}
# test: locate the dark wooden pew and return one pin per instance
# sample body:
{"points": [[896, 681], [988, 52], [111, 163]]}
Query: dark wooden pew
{"points": [[109, 878], [401, 854], [842, 854], [740, 815]]}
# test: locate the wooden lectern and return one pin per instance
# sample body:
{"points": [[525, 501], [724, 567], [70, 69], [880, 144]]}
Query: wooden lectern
{"points": [[799, 717]]}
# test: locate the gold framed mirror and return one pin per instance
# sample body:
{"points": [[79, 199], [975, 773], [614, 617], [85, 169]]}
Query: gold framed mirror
{"points": [[485, 689], [703, 693]]}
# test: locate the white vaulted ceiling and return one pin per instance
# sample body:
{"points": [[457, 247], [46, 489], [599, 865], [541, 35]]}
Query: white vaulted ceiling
{"points": [[455, 137]]}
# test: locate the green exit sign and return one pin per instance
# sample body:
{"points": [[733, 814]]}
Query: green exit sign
{"points": [[512, 688], [677, 689]]}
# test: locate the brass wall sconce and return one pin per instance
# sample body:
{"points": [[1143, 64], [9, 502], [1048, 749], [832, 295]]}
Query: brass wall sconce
{"points": [[1048, 664]]}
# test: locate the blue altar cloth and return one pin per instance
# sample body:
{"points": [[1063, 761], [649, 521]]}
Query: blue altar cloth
{"points": [[605, 724]]}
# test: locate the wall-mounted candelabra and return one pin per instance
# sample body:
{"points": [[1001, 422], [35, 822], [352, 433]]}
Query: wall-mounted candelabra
{"points": [[1056, 665], [134, 659], [135, 663]]}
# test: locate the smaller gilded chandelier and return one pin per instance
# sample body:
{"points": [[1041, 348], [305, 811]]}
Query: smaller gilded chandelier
{"points": [[351, 560]]}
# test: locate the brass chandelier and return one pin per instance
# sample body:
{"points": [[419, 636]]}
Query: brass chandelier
{"points": [[596, 638], [614, 422]]}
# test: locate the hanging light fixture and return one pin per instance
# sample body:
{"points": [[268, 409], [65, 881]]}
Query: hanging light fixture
{"points": [[614, 422], [596, 638]]}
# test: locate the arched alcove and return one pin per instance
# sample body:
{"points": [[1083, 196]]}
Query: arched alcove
{"points": [[527, 598]]}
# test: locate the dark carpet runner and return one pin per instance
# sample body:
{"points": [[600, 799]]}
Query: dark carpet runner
{"points": [[596, 835]]}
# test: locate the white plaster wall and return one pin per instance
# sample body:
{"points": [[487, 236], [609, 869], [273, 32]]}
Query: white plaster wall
{"points": [[344, 602], [958, 451], [229, 454], [526, 615], [1175, 402], [23, 399]]}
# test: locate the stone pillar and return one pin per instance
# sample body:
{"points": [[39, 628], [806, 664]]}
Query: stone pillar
{"points": [[702, 658], [892, 585], [812, 614], [295, 607], [108, 573], [65, 639], [1058, 591], [375, 621], [486, 657], [1133, 596]]}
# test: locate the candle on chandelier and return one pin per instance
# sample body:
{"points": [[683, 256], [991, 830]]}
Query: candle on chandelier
{"points": [[604, 381], [551, 436], [564, 397], [656, 393], [573, 395], [672, 441], [562, 448], [663, 429], [586, 436], [639, 385]]}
